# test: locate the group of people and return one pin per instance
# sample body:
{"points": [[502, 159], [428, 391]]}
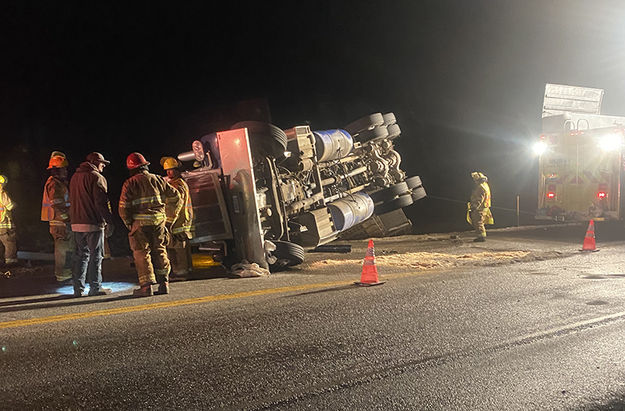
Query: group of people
{"points": [[156, 210]]}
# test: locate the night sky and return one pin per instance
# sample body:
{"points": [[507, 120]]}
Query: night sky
{"points": [[464, 78]]}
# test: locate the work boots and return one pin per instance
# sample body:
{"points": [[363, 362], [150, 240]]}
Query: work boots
{"points": [[163, 288], [143, 291], [99, 291], [479, 240]]}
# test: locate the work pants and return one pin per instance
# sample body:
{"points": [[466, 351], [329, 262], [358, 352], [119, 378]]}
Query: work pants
{"points": [[63, 251], [179, 253], [149, 249], [8, 245], [477, 218], [88, 254]]}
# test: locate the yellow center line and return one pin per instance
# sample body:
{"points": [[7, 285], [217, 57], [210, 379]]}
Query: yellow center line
{"points": [[177, 303], [165, 304]]}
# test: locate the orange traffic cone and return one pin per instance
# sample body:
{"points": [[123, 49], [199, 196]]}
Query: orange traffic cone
{"points": [[369, 275], [589, 239]]}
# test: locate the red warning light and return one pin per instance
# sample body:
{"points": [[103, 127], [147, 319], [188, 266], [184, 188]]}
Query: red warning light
{"points": [[601, 195], [551, 195]]}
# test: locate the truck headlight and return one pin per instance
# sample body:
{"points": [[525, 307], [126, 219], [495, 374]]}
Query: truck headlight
{"points": [[610, 142], [539, 148]]}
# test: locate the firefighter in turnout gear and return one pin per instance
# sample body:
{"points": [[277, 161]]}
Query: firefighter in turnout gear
{"points": [[479, 206], [8, 236], [55, 210], [178, 249], [148, 205]]}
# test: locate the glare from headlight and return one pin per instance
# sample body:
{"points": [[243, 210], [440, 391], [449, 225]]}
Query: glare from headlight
{"points": [[539, 148], [610, 142]]}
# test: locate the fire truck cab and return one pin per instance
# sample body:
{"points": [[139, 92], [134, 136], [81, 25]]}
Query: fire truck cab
{"points": [[580, 157]]}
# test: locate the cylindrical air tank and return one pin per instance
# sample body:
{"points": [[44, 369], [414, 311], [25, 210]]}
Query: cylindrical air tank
{"points": [[351, 210], [332, 144]]}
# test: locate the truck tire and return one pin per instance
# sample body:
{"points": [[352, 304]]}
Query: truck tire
{"points": [[393, 131], [288, 254], [389, 193], [389, 118], [373, 134], [265, 138], [400, 202], [418, 193], [365, 123], [413, 182]]}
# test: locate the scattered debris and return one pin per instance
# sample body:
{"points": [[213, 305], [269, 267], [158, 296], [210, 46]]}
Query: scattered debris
{"points": [[244, 269], [388, 252], [430, 260]]}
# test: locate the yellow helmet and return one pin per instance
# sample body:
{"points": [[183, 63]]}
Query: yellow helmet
{"points": [[169, 162], [476, 175], [57, 162], [3, 179]]}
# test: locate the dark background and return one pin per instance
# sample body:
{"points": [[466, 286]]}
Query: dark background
{"points": [[464, 78]]}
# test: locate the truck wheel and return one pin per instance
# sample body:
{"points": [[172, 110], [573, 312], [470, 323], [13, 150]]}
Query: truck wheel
{"points": [[389, 118], [400, 202], [389, 193], [264, 138], [413, 182], [418, 193], [287, 254], [373, 134], [393, 131], [365, 123]]}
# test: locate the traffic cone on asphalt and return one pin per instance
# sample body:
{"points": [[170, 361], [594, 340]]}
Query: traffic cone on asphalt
{"points": [[369, 275], [589, 239]]}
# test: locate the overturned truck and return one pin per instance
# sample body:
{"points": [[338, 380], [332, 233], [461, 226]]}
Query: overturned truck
{"points": [[263, 195]]}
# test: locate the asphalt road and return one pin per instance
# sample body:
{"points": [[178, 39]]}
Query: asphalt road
{"points": [[539, 333]]}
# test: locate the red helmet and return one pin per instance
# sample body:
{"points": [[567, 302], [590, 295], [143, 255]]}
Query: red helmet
{"points": [[135, 160]]}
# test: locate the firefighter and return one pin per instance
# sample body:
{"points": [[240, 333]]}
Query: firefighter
{"points": [[8, 236], [479, 206], [148, 205], [55, 210], [178, 249]]}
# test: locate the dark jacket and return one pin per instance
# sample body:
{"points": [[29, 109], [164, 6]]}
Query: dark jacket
{"points": [[89, 203]]}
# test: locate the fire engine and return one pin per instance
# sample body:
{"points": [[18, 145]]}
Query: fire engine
{"points": [[580, 156], [264, 195]]}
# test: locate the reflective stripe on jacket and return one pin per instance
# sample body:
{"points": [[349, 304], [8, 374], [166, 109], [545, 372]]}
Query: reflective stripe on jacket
{"points": [[55, 202], [184, 220], [6, 205], [149, 200], [480, 198]]}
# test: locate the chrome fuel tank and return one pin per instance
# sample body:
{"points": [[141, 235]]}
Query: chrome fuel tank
{"points": [[332, 144]]}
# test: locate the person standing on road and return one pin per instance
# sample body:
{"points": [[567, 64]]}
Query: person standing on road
{"points": [[8, 235], [148, 205], [92, 220], [479, 206], [55, 210], [178, 249]]}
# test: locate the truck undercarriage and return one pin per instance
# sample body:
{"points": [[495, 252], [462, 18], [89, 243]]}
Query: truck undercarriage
{"points": [[263, 195]]}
